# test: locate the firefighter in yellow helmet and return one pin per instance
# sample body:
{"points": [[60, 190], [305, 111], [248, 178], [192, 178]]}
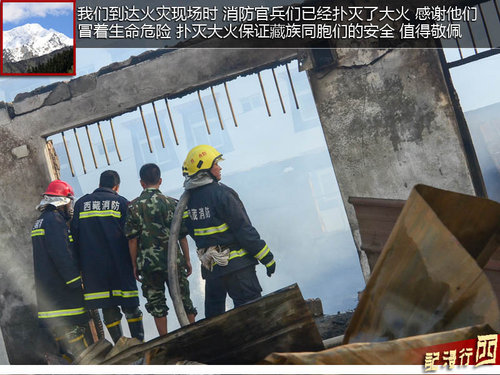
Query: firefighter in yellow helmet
{"points": [[228, 245]]}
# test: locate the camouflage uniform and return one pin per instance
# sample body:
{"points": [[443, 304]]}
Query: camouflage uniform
{"points": [[148, 219]]}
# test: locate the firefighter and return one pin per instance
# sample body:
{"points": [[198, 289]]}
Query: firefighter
{"points": [[58, 283], [228, 245], [108, 277], [148, 229]]}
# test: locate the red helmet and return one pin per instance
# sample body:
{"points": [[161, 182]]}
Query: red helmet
{"points": [[60, 188]]}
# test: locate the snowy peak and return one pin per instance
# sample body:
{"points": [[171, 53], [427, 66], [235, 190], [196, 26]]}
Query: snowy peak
{"points": [[32, 40], [29, 28]]}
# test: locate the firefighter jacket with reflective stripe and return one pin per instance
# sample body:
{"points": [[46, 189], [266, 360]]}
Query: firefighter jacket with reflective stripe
{"points": [[57, 279], [98, 231], [214, 216]]}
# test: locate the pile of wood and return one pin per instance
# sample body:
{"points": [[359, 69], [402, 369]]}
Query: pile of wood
{"points": [[280, 321], [428, 286]]}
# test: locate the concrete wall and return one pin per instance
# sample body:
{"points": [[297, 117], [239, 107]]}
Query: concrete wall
{"points": [[24, 176], [386, 115], [389, 125]]}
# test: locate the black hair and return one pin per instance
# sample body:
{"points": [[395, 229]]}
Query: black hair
{"points": [[150, 174], [109, 179]]}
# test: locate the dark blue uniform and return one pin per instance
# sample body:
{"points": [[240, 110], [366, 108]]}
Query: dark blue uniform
{"points": [[97, 228], [216, 216], [57, 278]]}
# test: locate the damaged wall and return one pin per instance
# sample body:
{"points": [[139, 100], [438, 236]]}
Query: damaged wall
{"points": [[24, 176], [386, 115], [389, 125]]}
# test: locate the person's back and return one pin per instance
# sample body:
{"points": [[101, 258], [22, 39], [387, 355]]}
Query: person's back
{"points": [[148, 230], [155, 212], [212, 206], [57, 278], [55, 266], [98, 228], [105, 263], [228, 245]]}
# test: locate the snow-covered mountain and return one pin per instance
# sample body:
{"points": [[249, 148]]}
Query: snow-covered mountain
{"points": [[31, 40]]}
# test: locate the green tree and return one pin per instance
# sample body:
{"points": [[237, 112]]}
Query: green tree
{"points": [[59, 63]]}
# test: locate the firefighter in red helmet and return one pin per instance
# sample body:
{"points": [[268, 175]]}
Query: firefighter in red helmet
{"points": [[57, 276]]}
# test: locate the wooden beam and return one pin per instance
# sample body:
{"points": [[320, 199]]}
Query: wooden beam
{"points": [[278, 322]]}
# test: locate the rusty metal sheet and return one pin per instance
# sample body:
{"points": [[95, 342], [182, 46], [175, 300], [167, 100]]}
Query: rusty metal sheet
{"points": [[428, 277]]}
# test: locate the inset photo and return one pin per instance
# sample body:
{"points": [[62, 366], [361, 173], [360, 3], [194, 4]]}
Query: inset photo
{"points": [[38, 38]]}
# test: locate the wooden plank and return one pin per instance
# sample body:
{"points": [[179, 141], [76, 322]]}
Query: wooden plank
{"points": [[405, 351], [94, 354], [279, 322], [493, 265], [376, 218], [472, 220]]}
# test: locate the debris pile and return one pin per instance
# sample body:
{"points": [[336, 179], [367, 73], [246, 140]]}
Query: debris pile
{"points": [[428, 286]]}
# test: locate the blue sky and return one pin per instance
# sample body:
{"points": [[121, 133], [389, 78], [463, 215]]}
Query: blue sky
{"points": [[50, 15]]}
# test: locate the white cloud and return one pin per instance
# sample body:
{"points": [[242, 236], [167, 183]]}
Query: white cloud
{"points": [[17, 12]]}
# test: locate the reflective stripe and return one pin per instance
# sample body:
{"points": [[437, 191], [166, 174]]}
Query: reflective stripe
{"points": [[38, 232], [115, 293], [113, 324], [76, 339], [125, 293], [70, 238], [237, 253], [87, 214], [261, 254], [72, 281], [131, 293], [270, 263], [98, 295], [211, 230], [60, 313], [132, 320], [185, 215]]}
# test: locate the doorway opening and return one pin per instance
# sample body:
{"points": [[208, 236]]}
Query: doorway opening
{"points": [[276, 158]]}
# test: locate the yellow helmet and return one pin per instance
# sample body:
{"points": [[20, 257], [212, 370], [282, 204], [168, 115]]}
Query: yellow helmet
{"points": [[200, 158]]}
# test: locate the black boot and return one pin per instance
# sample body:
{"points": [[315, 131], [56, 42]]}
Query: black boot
{"points": [[134, 320], [115, 330], [74, 341], [137, 329], [112, 317]]}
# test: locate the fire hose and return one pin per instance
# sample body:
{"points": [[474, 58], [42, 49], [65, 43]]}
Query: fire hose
{"points": [[173, 276]]}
